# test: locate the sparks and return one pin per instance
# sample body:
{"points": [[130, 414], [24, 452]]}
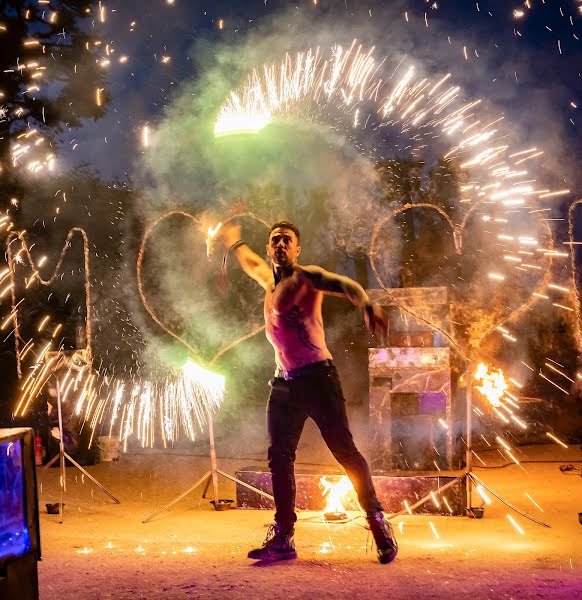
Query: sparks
{"points": [[515, 524], [553, 437]]}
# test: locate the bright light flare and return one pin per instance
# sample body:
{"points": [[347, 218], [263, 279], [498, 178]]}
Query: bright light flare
{"points": [[214, 382], [230, 123], [493, 384], [211, 235]]}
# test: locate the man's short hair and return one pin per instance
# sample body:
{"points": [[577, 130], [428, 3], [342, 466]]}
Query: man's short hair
{"points": [[286, 225]]}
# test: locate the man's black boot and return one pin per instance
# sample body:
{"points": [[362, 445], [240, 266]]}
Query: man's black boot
{"points": [[384, 538], [278, 545]]}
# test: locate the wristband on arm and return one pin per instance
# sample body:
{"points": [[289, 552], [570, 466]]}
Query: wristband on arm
{"points": [[230, 249]]}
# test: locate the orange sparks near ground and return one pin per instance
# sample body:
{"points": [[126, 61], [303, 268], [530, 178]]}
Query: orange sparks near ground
{"points": [[434, 530], [334, 493], [515, 524], [493, 384], [553, 437], [483, 494]]}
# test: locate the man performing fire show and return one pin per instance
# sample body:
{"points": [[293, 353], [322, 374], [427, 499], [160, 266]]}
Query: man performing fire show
{"points": [[306, 382]]}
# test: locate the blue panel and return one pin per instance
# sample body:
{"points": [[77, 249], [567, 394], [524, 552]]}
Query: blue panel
{"points": [[14, 535]]}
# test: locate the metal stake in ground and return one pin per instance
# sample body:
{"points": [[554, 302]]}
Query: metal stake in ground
{"points": [[63, 455], [208, 478]]}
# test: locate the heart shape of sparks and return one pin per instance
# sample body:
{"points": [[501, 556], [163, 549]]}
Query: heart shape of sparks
{"points": [[457, 230], [194, 353]]}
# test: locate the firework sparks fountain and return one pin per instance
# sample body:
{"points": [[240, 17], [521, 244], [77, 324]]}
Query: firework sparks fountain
{"points": [[211, 476], [493, 387]]}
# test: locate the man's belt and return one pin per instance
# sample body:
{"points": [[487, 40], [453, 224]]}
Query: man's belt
{"points": [[304, 370]]}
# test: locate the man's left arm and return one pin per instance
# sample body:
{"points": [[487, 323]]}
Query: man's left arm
{"points": [[332, 283]]}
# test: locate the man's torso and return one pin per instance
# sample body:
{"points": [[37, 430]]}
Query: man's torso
{"points": [[293, 321]]}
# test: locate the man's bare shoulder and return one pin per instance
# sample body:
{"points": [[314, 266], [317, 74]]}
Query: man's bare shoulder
{"points": [[309, 269], [320, 279], [310, 272]]}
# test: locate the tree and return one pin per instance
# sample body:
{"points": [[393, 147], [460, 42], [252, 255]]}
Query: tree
{"points": [[422, 233], [52, 79], [50, 71]]}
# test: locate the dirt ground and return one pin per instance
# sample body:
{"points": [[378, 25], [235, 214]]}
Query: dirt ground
{"points": [[103, 550]]}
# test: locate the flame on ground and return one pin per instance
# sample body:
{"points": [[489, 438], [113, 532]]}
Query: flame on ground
{"points": [[334, 493]]}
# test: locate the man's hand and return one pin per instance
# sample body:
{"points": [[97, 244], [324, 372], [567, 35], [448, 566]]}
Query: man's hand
{"points": [[229, 234], [376, 320], [252, 264]]}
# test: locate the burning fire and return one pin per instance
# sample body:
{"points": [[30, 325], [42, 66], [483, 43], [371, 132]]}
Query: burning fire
{"points": [[493, 384], [212, 231], [334, 493]]}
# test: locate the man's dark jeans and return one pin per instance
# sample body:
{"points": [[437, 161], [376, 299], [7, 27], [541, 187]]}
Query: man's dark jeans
{"points": [[318, 395]]}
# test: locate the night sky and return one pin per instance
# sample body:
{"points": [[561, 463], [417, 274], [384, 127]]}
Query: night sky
{"points": [[528, 67]]}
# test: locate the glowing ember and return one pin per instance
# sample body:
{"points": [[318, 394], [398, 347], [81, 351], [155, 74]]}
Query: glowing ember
{"points": [[145, 136], [534, 502], [326, 548], [553, 437], [493, 384]]}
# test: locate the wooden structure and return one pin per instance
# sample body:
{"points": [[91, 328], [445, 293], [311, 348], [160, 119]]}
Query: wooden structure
{"points": [[410, 405]]}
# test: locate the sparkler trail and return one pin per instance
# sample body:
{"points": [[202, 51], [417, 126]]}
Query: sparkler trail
{"points": [[152, 227], [350, 79], [151, 312], [457, 230], [21, 236], [178, 404]]}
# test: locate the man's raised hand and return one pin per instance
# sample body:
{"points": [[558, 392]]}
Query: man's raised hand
{"points": [[229, 234], [376, 321]]}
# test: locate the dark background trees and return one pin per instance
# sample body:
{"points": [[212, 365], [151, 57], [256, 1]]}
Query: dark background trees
{"points": [[51, 64]]}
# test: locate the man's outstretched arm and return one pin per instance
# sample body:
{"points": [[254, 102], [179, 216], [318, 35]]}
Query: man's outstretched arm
{"points": [[332, 283], [251, 263]]}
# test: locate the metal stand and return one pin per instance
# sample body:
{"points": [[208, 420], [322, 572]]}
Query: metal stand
{"points": [[469, 453], [208, 478], [62, 456]]}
